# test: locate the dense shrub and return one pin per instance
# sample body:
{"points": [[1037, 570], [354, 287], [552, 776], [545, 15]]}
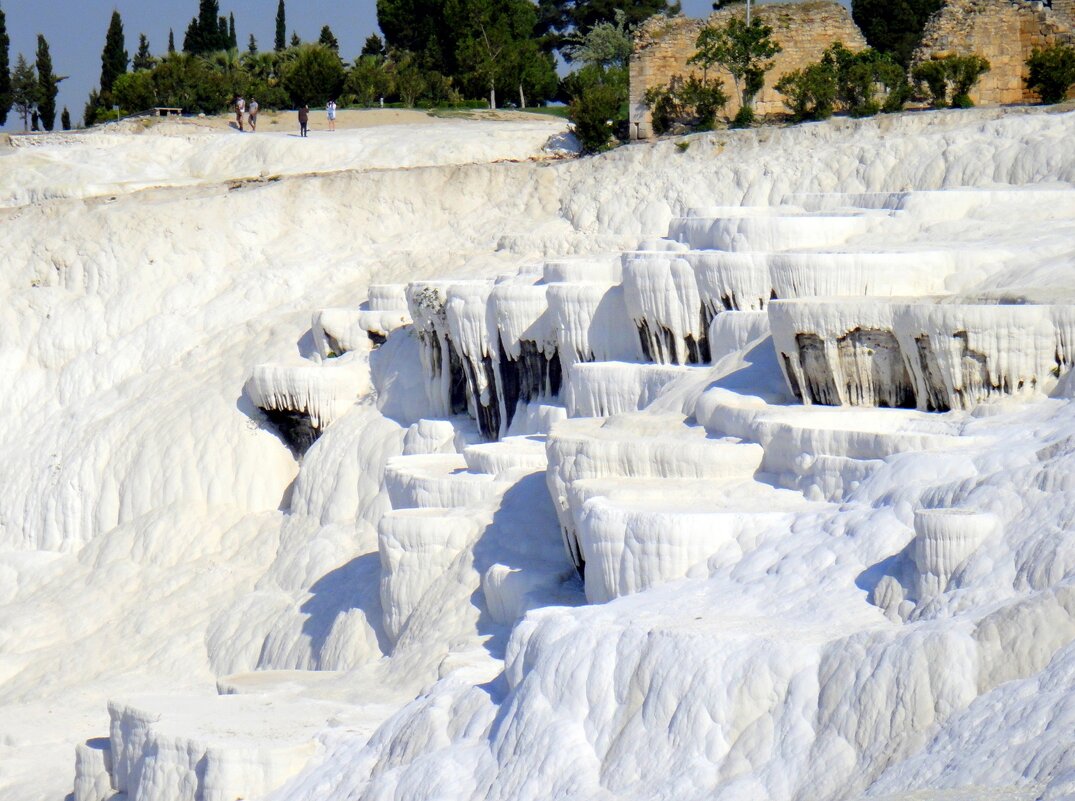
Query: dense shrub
{"points": [[860, 76], [810, 93], [598, 105], [692, 103], [314, 76], [861, 84], [135, 91], [949, 80], [1052, 72]]}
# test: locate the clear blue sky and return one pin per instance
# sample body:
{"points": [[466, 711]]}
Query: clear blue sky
{"points": [[75, 30]]}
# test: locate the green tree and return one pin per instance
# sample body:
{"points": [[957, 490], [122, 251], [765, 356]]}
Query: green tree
{"points": [[113, 57], [281, 27], [5, 70], [233, 38], [328, 39], [743, 51], [373, 46], [494, 47], [252, 45], [368, 80], [143, 59], [606, 43], [559, 22], [171, 41], [1052, 72], [65, 119], [860, 75], [24, 89], [692, 102], [135, 91], [314, 76], [207, 32], [295, 39], [421, 27], [47, 85], [894, 26], [598, 105], [810, 92], [950, 79], [193, 37], [410, 79]]}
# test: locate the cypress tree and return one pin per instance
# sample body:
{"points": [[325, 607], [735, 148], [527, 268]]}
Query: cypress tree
{"points": [[192, 39], [5, 70], [295, 40], [328, 39], [142, 60], [374, 46], [233, 40], [281, 27], [252, 46], [171, 41], [114, 56], [222, 36], [65, 119], [47, 85], [209, 25]]}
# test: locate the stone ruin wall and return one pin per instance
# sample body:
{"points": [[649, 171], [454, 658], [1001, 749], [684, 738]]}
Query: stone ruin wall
{"points": [[1003, 31], [664, 44]]}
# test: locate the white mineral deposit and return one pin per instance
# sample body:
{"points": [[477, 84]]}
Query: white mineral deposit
{"points": [[422, 462]]}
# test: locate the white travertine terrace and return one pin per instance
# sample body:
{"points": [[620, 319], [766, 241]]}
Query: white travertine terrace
{"points": [[773, 232], [438, 481], [339, 331], [793, 600], [576, 269], [935, 354], [415, 547], [636, 446], [592, 324], [386, 297], [944, 540], [662, 299], [731, 281], [524, 348], [320, 392], [601, 389]]}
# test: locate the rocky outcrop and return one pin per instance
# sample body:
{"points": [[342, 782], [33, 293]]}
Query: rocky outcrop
{"points": [[663, 46]]}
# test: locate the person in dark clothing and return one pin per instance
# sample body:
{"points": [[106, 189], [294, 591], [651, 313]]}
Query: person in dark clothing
{"points": [[304, 118]]}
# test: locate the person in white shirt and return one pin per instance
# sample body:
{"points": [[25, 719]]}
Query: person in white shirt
{"points": [[240, 107], [252, 114], [331, 109]]}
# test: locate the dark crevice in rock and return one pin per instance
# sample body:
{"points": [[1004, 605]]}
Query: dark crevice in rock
{"points": [[294, 428]]}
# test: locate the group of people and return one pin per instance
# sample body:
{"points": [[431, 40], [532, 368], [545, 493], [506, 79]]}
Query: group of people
{"points": [[251, 111], [304, 117]]}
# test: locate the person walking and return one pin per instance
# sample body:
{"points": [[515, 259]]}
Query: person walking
{"points": [[331, 109], [252, 114], [240, 106], [304, 119]]}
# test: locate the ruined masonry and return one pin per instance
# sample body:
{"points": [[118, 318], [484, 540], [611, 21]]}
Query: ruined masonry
{"points": [[1006, 33], [804, 30]]}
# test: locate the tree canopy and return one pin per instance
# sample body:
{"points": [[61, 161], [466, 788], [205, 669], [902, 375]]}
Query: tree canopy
{"points": [[558, 20], [24, 89], [47, 85], [893, 26], [281, 27], [114, 56]]}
